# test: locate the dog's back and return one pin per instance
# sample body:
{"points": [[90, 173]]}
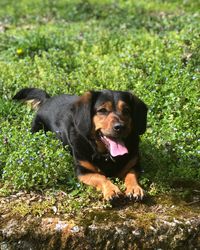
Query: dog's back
{"points": [[52, 112]]}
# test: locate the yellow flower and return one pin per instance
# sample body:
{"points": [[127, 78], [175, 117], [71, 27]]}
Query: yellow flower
{"points": [[20, 51]]}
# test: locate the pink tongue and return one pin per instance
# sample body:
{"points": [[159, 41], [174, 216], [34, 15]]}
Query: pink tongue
{"points": [[116, 147]]}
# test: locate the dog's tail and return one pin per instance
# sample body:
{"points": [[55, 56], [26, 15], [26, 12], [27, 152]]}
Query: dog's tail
{"points": [[32, 96]]}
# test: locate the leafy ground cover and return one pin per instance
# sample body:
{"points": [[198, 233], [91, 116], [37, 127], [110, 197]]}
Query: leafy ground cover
{"points": [[151, 48]]}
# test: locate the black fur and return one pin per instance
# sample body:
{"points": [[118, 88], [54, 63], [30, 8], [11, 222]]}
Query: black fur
{"points": [[70, 117], [30, 94]]}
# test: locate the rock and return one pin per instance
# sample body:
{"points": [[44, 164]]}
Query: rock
{"points": [[151, 225]]}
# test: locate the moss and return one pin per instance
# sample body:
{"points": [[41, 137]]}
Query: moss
{"points": [[157, 222]]}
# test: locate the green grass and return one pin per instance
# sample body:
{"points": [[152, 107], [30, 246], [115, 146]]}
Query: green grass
{"points": [[151, 48]]}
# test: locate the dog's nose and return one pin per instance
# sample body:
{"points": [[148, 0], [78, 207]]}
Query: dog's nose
{"points": [[118, 127]]}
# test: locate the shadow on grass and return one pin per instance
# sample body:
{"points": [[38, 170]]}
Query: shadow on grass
{"points": [[112, 15]]}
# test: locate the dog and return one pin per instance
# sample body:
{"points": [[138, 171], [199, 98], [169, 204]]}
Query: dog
{"points": [[102, 130]]}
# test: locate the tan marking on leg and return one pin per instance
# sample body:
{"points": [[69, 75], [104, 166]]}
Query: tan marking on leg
{"points": [[133, 189], [89, 166], [100, 182]]}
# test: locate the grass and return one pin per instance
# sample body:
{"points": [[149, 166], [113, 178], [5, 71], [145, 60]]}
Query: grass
{"points": [[151, 48]]}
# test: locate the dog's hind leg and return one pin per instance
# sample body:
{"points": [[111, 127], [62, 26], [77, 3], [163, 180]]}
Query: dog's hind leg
{"points": [[37, 125]]}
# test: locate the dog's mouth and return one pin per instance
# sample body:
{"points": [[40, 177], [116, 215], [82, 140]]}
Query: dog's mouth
{"points": [[115, 146]]}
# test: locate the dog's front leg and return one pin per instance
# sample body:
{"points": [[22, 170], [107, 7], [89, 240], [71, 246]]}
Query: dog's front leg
{"points": [[100, 182], [91, 175], [133, 189]]}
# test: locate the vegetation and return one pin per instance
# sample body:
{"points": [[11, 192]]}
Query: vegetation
{"points": [[151, 48]]}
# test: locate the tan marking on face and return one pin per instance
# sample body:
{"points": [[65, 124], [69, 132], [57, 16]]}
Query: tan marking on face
{"points": [[103, 120], [104, 123], [107, 105], [125, 116], [121, 105]]}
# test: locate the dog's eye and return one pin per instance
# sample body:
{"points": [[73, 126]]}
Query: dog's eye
{"points": [[126, 111], [102, 111]]}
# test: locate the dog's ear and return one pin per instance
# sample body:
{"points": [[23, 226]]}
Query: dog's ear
{"points": [[139, 114], [82, 113]]}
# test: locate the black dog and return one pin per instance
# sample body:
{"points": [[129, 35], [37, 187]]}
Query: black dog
{"points": [[102, 129]]}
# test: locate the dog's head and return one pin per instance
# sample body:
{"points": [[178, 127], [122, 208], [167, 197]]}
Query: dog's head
{"points": [[110, 117]]}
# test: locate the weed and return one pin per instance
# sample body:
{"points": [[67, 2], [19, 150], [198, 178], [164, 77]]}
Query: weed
{"points": [[151, 49]]}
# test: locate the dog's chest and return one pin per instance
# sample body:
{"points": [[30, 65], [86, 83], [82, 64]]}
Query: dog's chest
{"points": [[111, 166]]}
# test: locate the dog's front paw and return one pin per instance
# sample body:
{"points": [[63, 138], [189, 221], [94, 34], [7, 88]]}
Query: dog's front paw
{"points": [[135, 193], [111, 192]]}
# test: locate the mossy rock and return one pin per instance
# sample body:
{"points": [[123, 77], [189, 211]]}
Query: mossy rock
{"points": [[155, 223]]}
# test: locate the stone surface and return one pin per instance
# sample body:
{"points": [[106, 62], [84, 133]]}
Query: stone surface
{"points": [[155, 224]]}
